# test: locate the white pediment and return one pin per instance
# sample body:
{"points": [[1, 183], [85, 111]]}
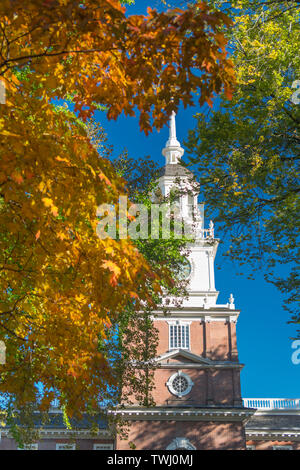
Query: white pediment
{"points": [[184, 356]]}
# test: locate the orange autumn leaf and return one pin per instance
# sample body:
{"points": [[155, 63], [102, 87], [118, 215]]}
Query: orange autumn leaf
{"points": [[104, 178], [133, 295], [107, 264], [17, 177]]}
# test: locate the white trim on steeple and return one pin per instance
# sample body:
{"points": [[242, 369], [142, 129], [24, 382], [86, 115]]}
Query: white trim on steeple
{"points": [[172, 151], [201, 283], [172, 142]]}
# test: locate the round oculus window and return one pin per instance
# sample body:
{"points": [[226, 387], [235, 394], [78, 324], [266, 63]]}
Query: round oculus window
{"points": [[180, 384]]}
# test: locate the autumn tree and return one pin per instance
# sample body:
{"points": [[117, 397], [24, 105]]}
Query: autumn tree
{"points": [[247, 152], [148, 63], [62, 286]]}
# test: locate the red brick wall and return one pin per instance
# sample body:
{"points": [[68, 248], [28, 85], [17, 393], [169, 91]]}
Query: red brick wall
{"points": [[222, 391], [197, 395], [157, 435], [215, 340]]}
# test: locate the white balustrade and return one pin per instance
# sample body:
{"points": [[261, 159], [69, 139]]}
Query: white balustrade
{"points": [[205, 233], [272, 403]]}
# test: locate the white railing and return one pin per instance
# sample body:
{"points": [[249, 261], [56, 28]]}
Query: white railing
{"points": [[272, 403], [205, 233]]}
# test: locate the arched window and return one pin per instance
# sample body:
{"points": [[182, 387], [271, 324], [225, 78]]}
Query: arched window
{"points": [[181, 443]]}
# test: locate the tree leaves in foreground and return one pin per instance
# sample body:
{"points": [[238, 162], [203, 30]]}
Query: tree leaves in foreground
{"points": [[247, 152], [95, 53], [61, 285]]}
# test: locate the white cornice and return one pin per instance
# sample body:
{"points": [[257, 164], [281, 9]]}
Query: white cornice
{"points": [[282, 435], [184, 365], [213, 309], [272, 412], [184, 353], [196, 362], [66, 433], [172, 414], [200, 293], [198, 315]]}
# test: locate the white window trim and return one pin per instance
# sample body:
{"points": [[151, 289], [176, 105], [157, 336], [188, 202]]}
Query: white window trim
{"points": [[61, 445], [179, 323], [172, 389], [103, 446], [180, 443]]}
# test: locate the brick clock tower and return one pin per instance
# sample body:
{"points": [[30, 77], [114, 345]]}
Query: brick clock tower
{"points": [[197, 379]]}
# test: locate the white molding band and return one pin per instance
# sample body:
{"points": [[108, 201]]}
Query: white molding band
{"points": [[198, 317], [229, 365], [204, 414], [66, 433], [269, 435]]}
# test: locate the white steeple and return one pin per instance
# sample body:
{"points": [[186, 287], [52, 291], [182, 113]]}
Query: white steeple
{"points": [[201, 282], [172, 142], [172, 151]]}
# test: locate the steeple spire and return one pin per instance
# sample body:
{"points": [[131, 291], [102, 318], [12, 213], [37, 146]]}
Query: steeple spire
{"points": [[172, 151], [172, 142]]}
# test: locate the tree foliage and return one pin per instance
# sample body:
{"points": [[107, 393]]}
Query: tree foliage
{"points": [[62, 286], [149, 63], [247, 152]]}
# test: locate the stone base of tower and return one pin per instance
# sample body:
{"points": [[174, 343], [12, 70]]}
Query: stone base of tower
{"points": [[189, 434]]}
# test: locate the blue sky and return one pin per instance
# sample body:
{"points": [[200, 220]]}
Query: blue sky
{"points": [[264, 337]]}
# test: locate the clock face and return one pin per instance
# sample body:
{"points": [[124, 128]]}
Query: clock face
{"points": [[185, 270]]}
